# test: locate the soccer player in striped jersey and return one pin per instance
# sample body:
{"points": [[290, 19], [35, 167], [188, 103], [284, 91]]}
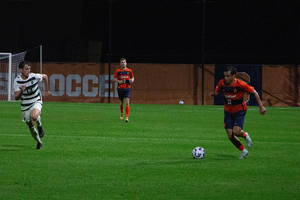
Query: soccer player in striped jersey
{"points": [[233, 90], [124, 77], [27, 90]]}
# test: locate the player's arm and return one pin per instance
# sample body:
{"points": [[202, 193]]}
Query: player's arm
{"points": [[19, 93], [118, 81], [45, 79], [131, 80], [260, 104], [217, 90], [215, 93]]}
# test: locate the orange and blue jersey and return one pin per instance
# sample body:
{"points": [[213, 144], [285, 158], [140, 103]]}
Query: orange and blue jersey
{"points": [[234, 94], [123, 75]]}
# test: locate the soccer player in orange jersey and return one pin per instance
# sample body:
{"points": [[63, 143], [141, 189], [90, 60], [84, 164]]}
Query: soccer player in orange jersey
{"points": [[233, 90], [124, 77]]}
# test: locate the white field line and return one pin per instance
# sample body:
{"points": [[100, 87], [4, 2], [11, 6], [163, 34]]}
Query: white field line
{"points": [[257, 108], [153, 139]]}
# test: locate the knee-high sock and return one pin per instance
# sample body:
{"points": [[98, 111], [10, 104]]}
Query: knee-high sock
{"points": [[127, 111], [237, 143], [35, 134]]}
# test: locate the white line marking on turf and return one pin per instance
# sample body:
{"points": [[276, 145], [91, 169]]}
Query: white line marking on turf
{"points": [[156, 139]]}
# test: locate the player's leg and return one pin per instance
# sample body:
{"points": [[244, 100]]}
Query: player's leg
{"points": [[229, 121], [235, 141], [36, 119], [35, 112], [121, 97], [126, 102], [34, 133], [121, 109], [237, 130], [26, 116], [246, 136]]}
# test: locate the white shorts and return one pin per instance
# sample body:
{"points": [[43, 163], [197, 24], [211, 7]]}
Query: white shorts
{"points": [[26, 115]]}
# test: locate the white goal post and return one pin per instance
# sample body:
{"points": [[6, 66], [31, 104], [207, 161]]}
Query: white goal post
{"points": [[8, 72], [5, 88]]}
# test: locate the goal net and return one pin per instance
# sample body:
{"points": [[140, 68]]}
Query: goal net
{"points": [[9, 65]]}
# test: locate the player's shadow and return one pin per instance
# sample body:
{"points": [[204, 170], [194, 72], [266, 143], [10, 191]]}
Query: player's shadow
{"points": [[223, 156], [9, 147]]}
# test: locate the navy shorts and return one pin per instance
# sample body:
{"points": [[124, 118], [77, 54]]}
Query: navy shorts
{"points": [[124, 93], [234, 119]]}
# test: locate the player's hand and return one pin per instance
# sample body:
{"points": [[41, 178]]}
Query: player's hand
{"points": [[23, 87], [46, 93], [263, 110]]}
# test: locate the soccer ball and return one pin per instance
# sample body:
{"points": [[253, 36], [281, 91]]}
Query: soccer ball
{"points": [[198, 153], [181, 102]]}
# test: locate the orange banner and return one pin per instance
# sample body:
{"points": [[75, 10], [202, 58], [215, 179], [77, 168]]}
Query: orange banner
{"points": [[154, 83], [160, 83]]}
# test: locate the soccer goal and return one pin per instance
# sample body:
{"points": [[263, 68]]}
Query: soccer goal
{"points": [[8, 72]]}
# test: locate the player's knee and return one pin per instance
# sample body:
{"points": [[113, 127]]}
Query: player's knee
{"points": [[236, 132], [34, 117]]}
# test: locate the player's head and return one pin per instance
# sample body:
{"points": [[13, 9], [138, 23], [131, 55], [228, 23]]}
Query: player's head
{"points": [[229, 74], [123, 63], [23, 63], [230, 69], [25, 68]]}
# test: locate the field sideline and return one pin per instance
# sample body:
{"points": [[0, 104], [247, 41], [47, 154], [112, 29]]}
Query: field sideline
{"points": [[89, 153]]}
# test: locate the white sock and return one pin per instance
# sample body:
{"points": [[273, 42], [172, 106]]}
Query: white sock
{"points": [[35, 134], [39, 121]]}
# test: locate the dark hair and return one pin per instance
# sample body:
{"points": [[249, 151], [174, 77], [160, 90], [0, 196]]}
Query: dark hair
{"points": [[230, 69], [23, 63]]}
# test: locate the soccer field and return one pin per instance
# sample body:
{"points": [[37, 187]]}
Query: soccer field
{"points": [[89, 153]]}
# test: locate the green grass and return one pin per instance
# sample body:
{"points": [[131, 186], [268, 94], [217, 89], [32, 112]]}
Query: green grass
{"points": [[89, 153]]}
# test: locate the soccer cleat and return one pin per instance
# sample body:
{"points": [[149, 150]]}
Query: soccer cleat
{"points": [[248, 140], [41, 131], [122, 116], [126, 119], [244, 154], [39, 146]]}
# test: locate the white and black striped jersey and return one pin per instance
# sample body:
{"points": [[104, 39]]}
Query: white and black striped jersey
{"points": [[32, 93]]}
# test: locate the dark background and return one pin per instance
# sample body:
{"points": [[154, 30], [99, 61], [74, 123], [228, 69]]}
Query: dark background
{"points": [[153, 31]]}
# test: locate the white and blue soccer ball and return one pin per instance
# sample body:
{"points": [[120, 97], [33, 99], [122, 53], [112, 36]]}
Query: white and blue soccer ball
{"points": [[198, 153], [181, 102]]}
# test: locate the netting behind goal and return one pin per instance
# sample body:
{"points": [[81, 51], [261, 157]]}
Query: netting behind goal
{"points": [[9, 65]]}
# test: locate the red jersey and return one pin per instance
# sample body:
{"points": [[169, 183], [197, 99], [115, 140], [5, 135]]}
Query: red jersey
{"points": [[234, 94], [124, 75]]}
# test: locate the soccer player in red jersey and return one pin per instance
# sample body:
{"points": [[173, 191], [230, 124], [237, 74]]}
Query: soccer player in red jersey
{"points": [[233, 90], [124, 77]]}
